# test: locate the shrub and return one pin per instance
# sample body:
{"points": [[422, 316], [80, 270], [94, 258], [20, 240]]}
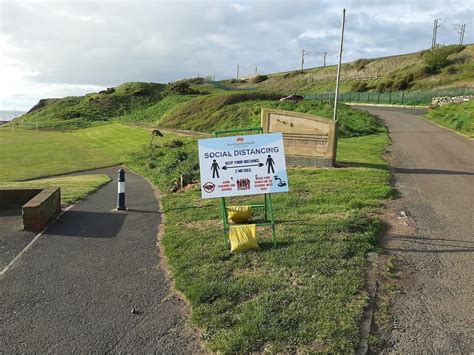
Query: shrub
{"points": [[292, 74], [360, 64], [182, 88], [401, 84], [438, 58], [421, 72], [258, 79], [359, 86], [380, 87]]}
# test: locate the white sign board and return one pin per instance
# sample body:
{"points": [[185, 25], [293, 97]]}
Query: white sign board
{"points": [[242, 165]]}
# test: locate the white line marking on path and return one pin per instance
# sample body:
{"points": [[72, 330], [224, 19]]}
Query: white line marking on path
{"points": [[30, 244]]}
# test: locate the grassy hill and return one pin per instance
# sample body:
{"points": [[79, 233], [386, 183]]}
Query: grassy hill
{"points": [[225, 111], [202, 105], [450, 66], [130, 101]]}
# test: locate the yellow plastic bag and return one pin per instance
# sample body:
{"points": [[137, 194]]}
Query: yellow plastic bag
{"points": [[239, 214], [243, 237]]}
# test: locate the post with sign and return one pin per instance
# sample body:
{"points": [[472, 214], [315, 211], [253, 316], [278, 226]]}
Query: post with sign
{"points": [[243, 165]]}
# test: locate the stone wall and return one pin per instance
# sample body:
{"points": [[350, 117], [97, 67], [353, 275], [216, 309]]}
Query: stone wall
{"points": [[42, 209], [444, 100], [39, 206], [16, 197]]}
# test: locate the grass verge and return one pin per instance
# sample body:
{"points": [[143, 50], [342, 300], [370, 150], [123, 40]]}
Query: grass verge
{"points": [[307, 293], [73, 188], [459, 117], [27, 154]]}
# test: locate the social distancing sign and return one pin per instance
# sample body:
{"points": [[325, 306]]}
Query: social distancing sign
{"points": [[242, 165]]}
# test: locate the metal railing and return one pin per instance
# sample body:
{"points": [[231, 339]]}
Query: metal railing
{"points": [[415, 98]]}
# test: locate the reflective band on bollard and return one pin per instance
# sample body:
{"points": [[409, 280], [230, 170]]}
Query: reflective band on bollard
{"points": [[121, 190]]}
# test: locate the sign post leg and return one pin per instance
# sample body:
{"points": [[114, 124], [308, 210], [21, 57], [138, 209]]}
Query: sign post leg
{"points": [[272, 218], [224, 220]]}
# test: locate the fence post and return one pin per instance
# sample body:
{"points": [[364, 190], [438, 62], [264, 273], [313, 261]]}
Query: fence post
{"points": [[358, 99], [378, 98], [350, 96], [389, 97], [403, 95], [368, 94], [416, 99]]}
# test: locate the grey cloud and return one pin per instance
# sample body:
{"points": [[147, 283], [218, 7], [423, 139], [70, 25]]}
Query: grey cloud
{"points": [[107, 43]]}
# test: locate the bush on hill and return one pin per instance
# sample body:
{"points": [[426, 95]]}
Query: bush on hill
{"points": [[438, 58], [359, 86], [258, 79]]}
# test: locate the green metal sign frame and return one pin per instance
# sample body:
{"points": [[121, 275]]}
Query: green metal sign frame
{"points": [[267, 205]]}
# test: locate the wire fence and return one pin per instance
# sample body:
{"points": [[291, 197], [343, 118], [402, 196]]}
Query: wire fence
{"points": [[416, 98]]}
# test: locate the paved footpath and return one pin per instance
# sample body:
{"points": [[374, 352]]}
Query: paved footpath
{"points": [[74, 290], [434, 174]]}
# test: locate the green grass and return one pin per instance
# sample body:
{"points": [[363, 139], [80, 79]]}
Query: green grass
{"points": [[307, 293], [27, 154], [154, 112], [395, 73], [73, 188], [459, 117], [116, 140], [226, 111], [91, 109]]}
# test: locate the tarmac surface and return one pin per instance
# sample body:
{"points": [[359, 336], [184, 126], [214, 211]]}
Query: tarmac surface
{"points": [[75, 288], [434, 240], [12, 236]]}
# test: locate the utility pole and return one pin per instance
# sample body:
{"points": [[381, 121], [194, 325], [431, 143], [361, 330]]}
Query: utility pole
{"points": [[324, 53], [256, 71], [303, 52], [461, 29], [435, 32], [237, 72], [338, 76]]}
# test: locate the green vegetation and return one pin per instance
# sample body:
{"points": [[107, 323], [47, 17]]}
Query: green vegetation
{"points": [[95, 108], [27, 154], [305, 294], [210, 113], [73, 188], [449, 66], [438, 58], [167, 160], [201, 104], [459, 117]]}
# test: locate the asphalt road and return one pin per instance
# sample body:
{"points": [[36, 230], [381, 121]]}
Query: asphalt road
{"points": [[74, 290], [434, 176]]}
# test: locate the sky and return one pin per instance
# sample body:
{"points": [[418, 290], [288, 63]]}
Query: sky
{"points": [[63, 48]]}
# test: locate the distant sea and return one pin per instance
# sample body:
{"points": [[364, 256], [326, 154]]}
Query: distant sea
{"points": [[8, 115]]}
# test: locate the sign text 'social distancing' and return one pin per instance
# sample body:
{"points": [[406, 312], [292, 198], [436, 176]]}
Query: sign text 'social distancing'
{"points": [[242, 165]]}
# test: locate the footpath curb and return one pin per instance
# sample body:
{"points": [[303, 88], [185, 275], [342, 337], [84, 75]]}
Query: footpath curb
{"points": [[386, 105], [449, 129]]}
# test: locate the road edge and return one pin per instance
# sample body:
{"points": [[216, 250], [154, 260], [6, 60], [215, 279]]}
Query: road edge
{"points": [[186, 311]]}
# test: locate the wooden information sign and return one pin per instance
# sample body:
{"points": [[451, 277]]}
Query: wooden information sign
{"points": [[308, 140]]}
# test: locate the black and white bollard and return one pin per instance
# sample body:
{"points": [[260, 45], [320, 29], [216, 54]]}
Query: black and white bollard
{"points": [[121, 190]]}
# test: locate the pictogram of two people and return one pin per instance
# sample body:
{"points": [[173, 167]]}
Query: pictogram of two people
{"points": [[270, 163]]}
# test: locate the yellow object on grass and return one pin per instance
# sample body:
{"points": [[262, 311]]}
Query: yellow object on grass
{"points": [[243, 237], [239, 214]]}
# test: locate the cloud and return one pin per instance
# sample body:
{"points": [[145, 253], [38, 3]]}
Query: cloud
{"points": [[65, 47]]}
